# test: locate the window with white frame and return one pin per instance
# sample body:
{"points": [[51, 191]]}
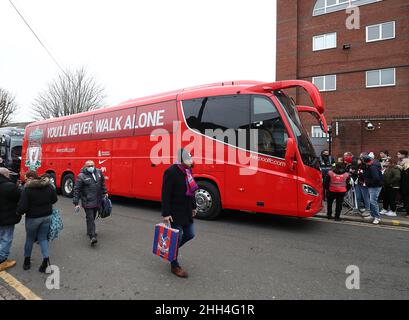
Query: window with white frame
{"points": [[316, 132], [381, 78], [328, 6], [325, 83], [379, 32], [324, 41]]}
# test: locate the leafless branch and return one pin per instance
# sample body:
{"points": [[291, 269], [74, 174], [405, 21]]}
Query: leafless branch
{"points": [[7, 106], [71, 93]]}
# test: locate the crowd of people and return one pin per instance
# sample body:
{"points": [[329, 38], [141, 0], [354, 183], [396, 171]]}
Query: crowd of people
{"points": [[372, 178], [35, 200]]}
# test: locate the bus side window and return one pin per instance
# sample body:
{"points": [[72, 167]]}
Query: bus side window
{"points": [[271, 131], [16, 152], [226, 114]]}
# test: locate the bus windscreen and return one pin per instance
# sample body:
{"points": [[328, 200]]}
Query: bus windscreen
{"points": [[307, 151]]}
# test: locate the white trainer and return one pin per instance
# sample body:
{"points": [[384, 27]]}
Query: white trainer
{"points": [[391, 214], [376, 221], [384, 212], [366, 214]]}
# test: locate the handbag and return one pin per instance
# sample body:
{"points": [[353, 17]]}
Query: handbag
{"points": [[105, 209], [165, 242], [56, 225]]}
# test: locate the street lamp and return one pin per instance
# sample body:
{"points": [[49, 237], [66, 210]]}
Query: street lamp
{"points": [[330, 139]]}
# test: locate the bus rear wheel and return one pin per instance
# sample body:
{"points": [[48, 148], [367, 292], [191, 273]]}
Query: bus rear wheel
{"points": [[67, 185], [52, 178], [207, 201]]}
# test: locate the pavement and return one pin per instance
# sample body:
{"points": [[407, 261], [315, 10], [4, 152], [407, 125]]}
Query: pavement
{"points": [[353, 215], [240, 256], [8, 293]]}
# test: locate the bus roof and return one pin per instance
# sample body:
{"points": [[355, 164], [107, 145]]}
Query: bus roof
{"points": [[198, 91], [12, 131], [218, 88]]}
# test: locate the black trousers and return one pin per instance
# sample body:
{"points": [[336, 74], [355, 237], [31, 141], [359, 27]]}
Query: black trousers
{"points": [[406, 202], [339, 199], [90, 215], [389, 198]]}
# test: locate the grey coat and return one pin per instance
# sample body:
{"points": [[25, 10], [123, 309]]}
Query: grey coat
{"points": [[87, 189]]}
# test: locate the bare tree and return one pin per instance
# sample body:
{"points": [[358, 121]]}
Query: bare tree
{"points": [[72, 92], [7, 106]]}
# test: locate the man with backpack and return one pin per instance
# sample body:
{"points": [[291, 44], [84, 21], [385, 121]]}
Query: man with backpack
{"points": [[90, 188]]}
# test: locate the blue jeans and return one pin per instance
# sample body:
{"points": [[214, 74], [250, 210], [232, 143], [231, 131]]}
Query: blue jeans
{"points": [[6, 239], [37, 228], [373, 200], [186, 233], [362, 196]]}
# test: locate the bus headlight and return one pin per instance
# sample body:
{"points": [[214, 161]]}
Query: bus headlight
{"points": [[309, 190]]}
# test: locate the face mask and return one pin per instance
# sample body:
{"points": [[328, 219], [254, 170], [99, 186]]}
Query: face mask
{"points": [[348, 159], [90, 169]]}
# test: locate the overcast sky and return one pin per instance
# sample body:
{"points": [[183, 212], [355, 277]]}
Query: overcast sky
{"points": [[136, 48]]}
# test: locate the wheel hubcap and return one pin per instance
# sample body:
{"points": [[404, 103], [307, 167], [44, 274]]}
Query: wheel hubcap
{"points": [[68, 186], [203, 200]]}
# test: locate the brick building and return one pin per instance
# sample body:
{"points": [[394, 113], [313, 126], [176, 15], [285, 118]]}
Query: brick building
{"points": [[363, 73]]}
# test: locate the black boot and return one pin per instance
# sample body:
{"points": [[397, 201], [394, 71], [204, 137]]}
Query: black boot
{"points": [[27, 263], [44, 265], [94, 241]]}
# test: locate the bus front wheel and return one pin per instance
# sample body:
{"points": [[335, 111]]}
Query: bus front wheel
{"points": [[207, 201], [67, 185]]}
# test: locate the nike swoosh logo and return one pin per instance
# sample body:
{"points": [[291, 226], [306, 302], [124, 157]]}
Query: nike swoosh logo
{"points": [[101, 162]]}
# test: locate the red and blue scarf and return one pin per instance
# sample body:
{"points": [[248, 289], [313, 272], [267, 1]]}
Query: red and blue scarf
{"points": [[191, 185]]}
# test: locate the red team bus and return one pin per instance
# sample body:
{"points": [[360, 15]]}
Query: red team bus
{"points": [[134, 142]]}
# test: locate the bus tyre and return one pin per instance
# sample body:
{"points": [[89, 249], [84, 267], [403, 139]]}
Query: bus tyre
{"points": [[207, 201], [52, 178], [67, 185]]}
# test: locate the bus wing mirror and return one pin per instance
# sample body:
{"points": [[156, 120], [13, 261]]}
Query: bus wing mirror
{"points": [[290, 154], [319, 116]]}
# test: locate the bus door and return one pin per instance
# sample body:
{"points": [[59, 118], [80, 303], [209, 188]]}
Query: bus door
{"points": [[104, 160], [122, 165], [267, 185], [309, 188], [155, 134], [151, 169]]}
